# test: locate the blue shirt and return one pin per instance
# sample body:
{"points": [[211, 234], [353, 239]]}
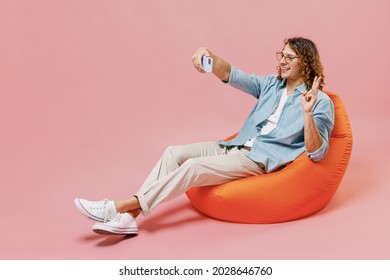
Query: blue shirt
{"points": [[286, 141]]}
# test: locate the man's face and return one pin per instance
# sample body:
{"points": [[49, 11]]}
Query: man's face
{"points": [[289, 64]]}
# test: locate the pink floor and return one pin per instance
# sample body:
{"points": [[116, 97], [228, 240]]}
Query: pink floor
{"points": [[93, 91]]}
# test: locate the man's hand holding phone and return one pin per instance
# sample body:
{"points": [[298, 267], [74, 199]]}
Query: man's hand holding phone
{"points": [[203, 61]]}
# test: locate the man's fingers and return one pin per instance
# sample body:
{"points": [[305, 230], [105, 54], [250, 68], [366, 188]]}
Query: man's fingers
{"points": [[316, 83], [314, 86], [198, 55], [197, 61]]}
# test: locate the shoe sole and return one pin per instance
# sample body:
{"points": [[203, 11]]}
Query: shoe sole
{"points": [[85, 212], [115, 231]]}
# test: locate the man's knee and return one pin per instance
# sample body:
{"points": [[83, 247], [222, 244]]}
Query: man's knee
{"points": [[193, 165], [177, 153]]}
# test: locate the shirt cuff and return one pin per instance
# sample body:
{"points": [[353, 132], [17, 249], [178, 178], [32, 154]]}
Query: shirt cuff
{"points": [[318, 154], [232, 72]]}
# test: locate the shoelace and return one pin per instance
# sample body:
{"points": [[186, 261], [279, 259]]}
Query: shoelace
{"points": [[116, 218], [107, 212]]}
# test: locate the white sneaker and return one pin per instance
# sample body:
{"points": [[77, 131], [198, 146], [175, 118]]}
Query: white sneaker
{"points": [[122, 223], [101, 211]]}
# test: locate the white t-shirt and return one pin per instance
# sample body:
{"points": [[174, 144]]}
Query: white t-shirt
{"points": [[272, 120]]}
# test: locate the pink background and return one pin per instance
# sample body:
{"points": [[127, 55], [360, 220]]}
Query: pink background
{"points": [[93, 91]]}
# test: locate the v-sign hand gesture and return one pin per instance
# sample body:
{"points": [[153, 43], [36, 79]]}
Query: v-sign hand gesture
{"points": [[309, 98]]}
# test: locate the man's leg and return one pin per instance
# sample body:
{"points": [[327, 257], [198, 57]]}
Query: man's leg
{"points": [[172, 158], [197, 171], [226, 166]]}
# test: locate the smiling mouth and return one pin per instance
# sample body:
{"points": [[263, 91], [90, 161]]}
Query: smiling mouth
{"points": [[284, 69]]}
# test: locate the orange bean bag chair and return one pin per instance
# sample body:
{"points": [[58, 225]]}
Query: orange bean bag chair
{"points": [[299, 190]]}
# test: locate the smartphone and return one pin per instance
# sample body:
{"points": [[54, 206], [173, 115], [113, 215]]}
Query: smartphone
{"points": [[207, 64]]}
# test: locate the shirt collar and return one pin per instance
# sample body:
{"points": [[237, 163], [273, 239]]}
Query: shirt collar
{"points": [[301, 88]]}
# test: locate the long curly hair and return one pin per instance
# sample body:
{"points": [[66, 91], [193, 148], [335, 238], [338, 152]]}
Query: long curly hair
{"points": [[309, 61]]}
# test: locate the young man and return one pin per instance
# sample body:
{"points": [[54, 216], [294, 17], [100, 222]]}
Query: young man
{"points": [[292, 115]]}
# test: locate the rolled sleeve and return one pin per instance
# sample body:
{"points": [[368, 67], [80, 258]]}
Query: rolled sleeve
{"points": [[324, 119], [250, 83], [318, 154]]}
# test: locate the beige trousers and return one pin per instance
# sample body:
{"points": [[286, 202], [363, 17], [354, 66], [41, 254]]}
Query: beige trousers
{"points": [[199, 164]]}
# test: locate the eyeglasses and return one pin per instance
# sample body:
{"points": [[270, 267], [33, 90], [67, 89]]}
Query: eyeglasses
{"points": [[287, 57]]}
